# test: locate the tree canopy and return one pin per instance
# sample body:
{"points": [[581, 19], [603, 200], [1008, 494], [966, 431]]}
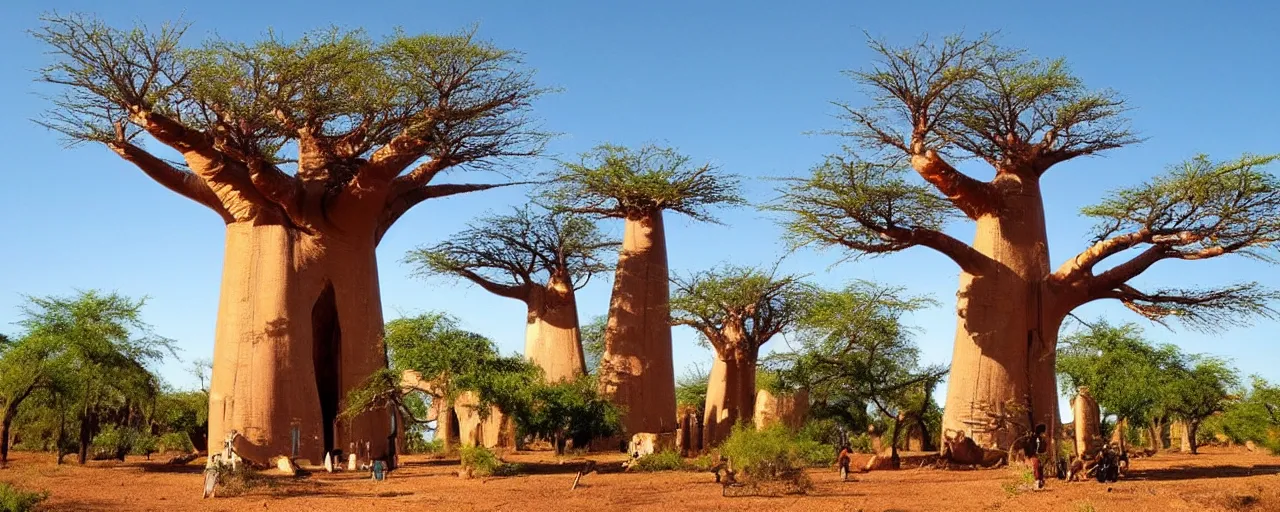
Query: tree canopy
{"points": [[506, 254], [349, 113], [756, 303], [615, 181]]}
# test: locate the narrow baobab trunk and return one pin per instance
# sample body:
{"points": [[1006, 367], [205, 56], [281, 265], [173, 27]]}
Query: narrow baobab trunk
{"points": [[1002, 368], [1088, 424], [637, 370], [730, 398], [552, 339]]}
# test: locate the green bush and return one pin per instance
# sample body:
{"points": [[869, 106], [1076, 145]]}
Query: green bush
{"points": [[770, 455], [174, 442], [815, 454], [660, 461], [478, 460], [240, 480], [13, 499], [423, 446], [703, 463], [116, 442]]}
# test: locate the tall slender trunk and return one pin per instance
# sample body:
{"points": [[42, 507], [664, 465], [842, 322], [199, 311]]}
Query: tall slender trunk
{"points": [[9, 413], [552, 338], [894, 459], [62, 430], [299, 325], [1193, 427], [637, 369], [1002, 379], [730, 395]]}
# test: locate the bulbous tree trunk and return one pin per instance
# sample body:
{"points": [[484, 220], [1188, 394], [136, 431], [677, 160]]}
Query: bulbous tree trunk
{"points": [[731, 392], [552, 339], [299, 325], [1006, 335], [637, 370]]}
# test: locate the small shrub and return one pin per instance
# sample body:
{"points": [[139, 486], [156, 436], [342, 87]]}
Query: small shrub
{"points": [[508, 469], [174, 442], [13, 499], [115, 442], [478, 460], [661, 461], [239, 481], [815, 454], [861, 443], [145, 444], [703, 463], [770, 455], [418, 445]]}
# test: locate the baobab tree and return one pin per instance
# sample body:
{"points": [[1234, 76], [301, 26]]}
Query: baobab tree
{"points": [[736, 310], [308, 150], [539, 258], [934, 103], [638, 186]]}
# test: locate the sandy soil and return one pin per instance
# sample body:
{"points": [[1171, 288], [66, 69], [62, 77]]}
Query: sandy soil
{"points": [[1218, 479]]}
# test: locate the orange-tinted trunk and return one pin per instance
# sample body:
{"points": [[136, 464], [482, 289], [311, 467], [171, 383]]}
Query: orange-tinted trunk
{"points": [[637, 370], [1006, 336], [552, 339], [299, 325], [731, 391]]}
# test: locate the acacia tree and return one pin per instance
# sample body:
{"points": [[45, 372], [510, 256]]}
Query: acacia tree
{"points": [[853, 345], [1127, 375], [638, 186], [308, 150], [736, 310], [932, 104], [1199, 388], [541, 259]]}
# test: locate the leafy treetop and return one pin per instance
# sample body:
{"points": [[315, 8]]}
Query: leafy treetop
{"points": [[614, 181], [734, 305], [508, 254]]}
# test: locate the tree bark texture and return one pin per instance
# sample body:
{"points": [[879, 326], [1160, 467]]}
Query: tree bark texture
{"points": [[1002, 379], [552, 338], [637, 370], [1088, 427], [731, 393]]}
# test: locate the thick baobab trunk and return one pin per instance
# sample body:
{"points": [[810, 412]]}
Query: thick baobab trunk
{"points": [[731, 396], [552, 339], [299, 325], [1002, 379], [637, 370]]}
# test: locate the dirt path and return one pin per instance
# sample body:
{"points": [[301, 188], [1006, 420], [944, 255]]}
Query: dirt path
{"points": [[1215, 480]]}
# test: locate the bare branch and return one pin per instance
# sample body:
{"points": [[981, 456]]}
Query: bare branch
{"points": [[184, 183]]}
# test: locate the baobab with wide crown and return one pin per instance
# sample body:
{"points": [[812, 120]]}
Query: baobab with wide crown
{"points": [[539, 258], [639, 186], [736, 310], [308, 150], [934, 103]]}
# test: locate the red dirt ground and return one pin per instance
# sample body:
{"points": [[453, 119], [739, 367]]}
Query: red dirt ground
{"points": [[1218, 479]]}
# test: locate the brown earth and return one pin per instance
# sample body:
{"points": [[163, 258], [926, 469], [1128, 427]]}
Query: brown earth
{"points": [[1217, 479]]}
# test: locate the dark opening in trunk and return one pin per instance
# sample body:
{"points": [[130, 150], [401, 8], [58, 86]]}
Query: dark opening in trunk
{"points": [[326, 355]]}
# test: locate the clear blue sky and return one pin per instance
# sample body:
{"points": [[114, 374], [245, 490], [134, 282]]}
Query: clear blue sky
{"points": [[735, 83]]}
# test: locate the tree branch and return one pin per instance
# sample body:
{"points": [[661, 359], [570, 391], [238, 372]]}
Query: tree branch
{"points": [[975, 198], [520, 293], [1204, 309], [184, 183], [397, 206]]}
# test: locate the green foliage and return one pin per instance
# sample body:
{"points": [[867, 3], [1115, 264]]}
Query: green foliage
{"points": [[462, 98], [1199, 388], [702, 462], [660, 461], [116, 442], [478, 460], [850, 203], [525, 248], [1200, 209], [566, 410], [1125, 373], [615, 181], [593, 342], [174, 441], [691, 388], [758, 304], [13, 499], [772, 454], [974, 98], [1253, 415], [855, 352]]}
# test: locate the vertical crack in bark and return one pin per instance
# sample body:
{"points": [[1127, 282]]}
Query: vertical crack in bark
{"points": [[327, 358]]}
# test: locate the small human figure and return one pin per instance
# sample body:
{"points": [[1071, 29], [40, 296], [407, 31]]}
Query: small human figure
{"points": [[843, 460], [723, 465], [1033, 448]]}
